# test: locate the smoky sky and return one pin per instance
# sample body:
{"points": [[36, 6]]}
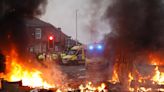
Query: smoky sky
{"points": [[137, 24], [29, 7], [12, 24], [89, 18]]}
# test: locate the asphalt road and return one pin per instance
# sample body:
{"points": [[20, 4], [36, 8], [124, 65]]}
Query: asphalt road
{"points": [[74, 73], [94, 72]]}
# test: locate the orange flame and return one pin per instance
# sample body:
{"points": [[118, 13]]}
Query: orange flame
{"points": [[155, 60], [158, 77], [29, 76], [130, 79], [89, 87], [115, 77]]}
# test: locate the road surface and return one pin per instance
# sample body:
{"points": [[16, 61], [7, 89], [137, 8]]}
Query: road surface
{"points": [[76, 74], [94, 72]]}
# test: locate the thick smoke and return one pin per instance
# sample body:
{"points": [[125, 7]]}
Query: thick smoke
{"points": [[12, 24], [137, 29], [97, 24], [28, 7], [13, 35], [137, 24]]}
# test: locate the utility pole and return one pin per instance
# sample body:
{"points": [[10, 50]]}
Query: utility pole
{"points": [[76, 25]]}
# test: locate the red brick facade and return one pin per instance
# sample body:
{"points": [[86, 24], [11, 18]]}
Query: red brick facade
{"points": [[38, 35]]}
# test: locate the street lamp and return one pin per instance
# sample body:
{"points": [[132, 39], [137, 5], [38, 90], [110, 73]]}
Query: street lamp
{"points": [[76, 25]]}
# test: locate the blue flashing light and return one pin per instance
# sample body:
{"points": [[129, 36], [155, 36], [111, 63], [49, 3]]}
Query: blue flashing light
{"points": [[91, 47], [99, 47]]}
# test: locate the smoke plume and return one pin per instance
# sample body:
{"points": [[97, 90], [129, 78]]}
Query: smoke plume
{"points": [[97, 24], [137, 29], [15, 36], [137, 24], [12, 24]]}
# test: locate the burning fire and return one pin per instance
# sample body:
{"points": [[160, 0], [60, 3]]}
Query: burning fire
{"points": [[130, 79], [155, 60], [16, 71], [32, 77], [115, 78], [90, 88], [157, 77]]}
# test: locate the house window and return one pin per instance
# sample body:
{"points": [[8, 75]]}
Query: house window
{"points": [[38, 33]]}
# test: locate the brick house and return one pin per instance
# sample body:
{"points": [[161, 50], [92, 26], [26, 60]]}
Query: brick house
{"points": [[38, 34]]}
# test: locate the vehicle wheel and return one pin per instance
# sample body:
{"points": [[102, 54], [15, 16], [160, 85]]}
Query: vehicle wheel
{"points": [[74, 62]]}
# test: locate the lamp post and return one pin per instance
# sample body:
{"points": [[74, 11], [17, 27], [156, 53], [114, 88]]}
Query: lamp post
{"points": [[76, 25]]}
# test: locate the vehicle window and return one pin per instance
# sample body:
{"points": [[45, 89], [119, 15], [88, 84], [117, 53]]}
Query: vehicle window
{"points": [[71, 52]]}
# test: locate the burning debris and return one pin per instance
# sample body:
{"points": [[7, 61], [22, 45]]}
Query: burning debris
{"points": [[30, 74], [136, 32], [134, 49], [14, 41]]}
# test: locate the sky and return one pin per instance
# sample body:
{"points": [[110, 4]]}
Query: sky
{"points": [[90, 23]]}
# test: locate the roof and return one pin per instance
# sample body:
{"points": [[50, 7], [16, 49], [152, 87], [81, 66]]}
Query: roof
{"points": [[36, 22]]}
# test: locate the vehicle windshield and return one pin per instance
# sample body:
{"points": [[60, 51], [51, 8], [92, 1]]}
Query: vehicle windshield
{"points": [[71, 52]]}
